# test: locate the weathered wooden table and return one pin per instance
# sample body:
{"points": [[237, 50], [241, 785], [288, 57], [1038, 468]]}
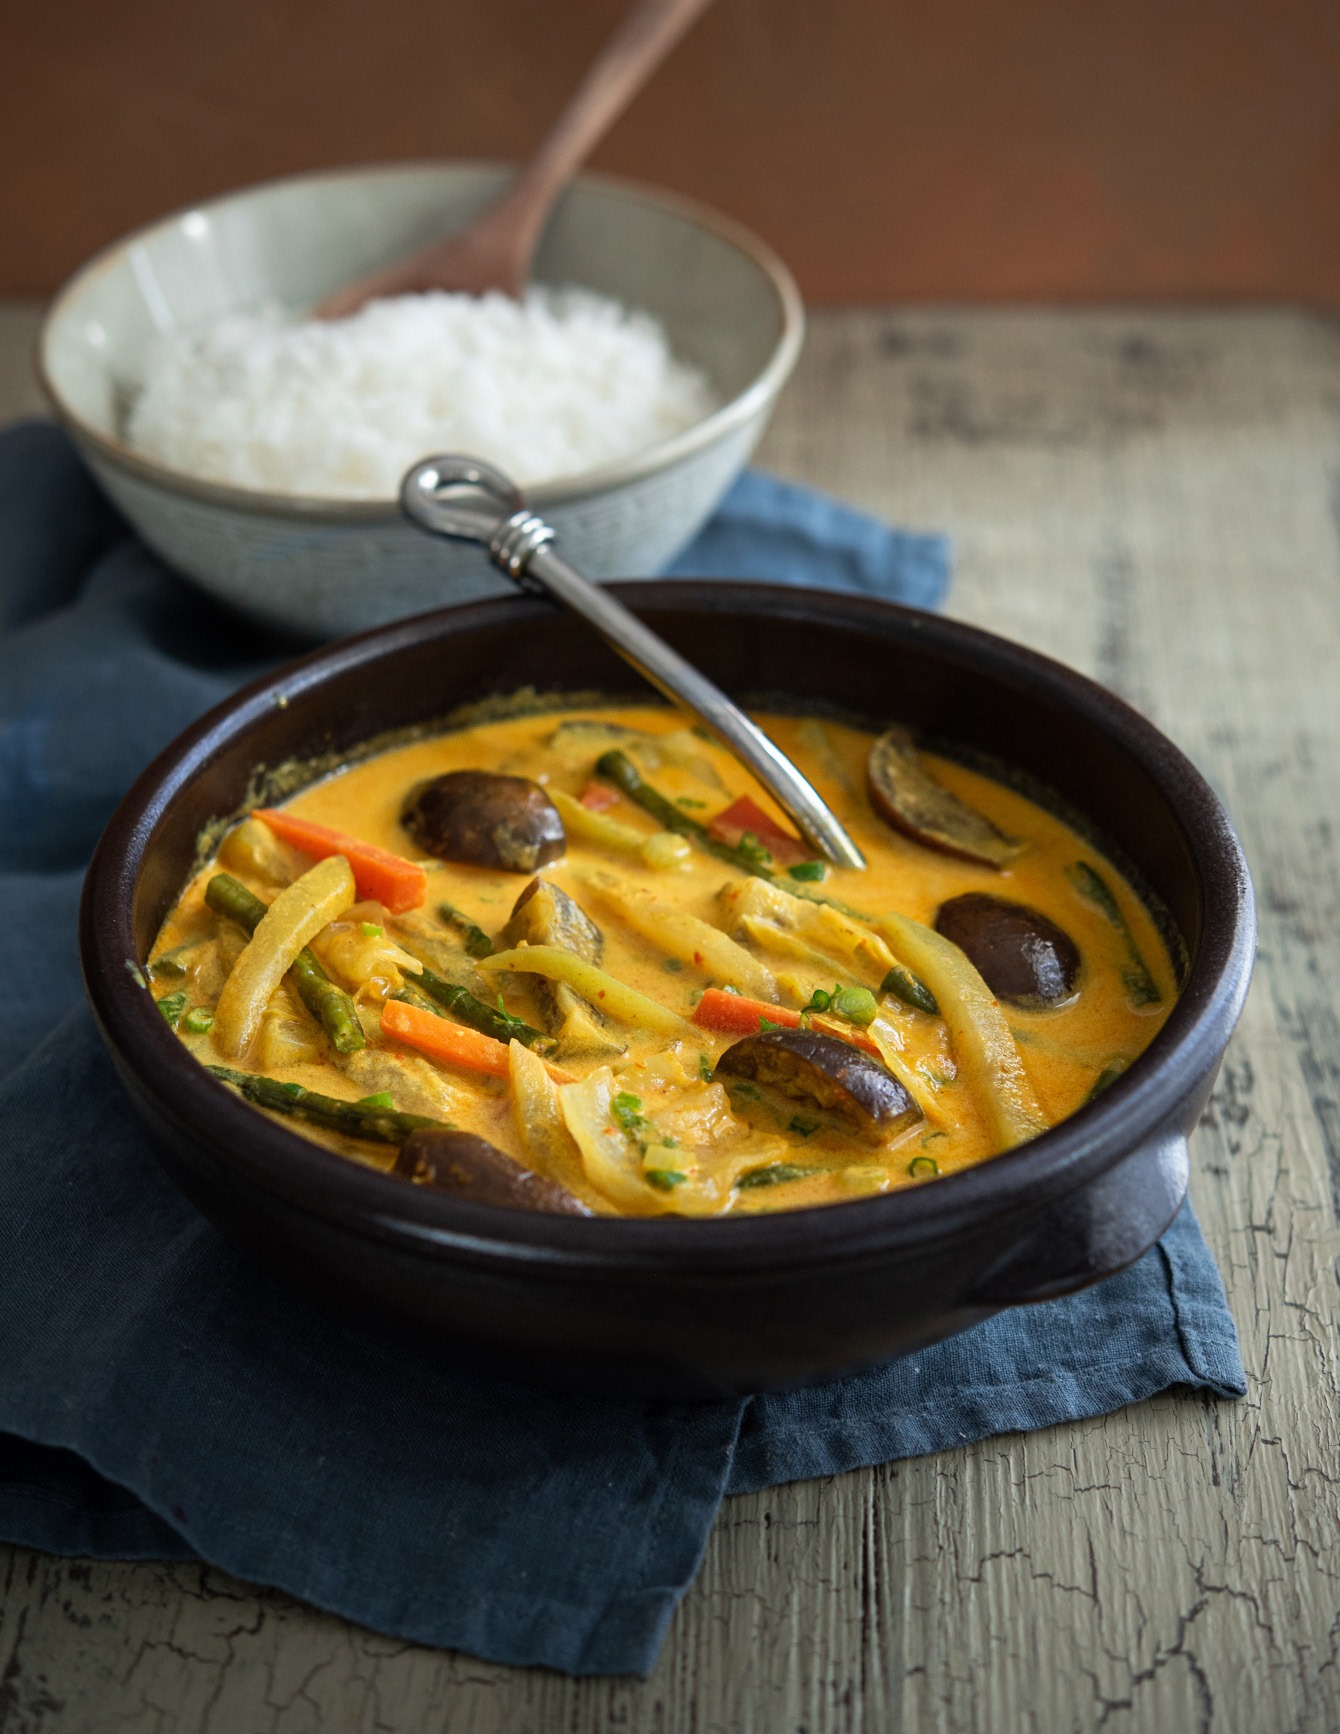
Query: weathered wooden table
{"points": [[1154, 498]]}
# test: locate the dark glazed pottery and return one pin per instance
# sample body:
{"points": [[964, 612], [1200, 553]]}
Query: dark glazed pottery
{"points": [[671, 1307]]}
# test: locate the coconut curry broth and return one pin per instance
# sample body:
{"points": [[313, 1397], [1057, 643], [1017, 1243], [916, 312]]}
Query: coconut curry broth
{"points": [[711, 1110]]}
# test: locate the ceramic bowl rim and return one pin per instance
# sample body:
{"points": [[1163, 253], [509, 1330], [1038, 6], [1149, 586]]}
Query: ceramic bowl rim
{"points": [[316, 509], [1139, 1106]]}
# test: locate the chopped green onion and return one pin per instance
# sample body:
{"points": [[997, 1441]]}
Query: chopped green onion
{"points": [[921, 1166], [627, 1111], [672, 964], [382, 1099], [819, 1001], [688, 801], [807, 870], [767, 1024], [172, 1005], [704, 1068], [856, 1004], [803, 1126], [198, 1021], [370, 929], [664, 1179]]}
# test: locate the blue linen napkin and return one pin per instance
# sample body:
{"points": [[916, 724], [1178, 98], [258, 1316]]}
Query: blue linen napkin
{"points": [[161, 1396]]}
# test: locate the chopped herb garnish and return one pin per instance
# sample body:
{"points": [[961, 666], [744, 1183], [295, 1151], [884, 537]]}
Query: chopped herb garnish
{"points": [[773, 1175], [767, 1024], [382, 1099], [922, 1166], [672, 964], [370, 929], [805, 1127], [627, 1111], [813, 871], [669, 1143], [750, 1092], [664, 1179], [704, 1068], [198, 1021], [172, 1005], [688, 801], [819, 1001]]}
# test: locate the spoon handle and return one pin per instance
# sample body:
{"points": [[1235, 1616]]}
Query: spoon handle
{"points": [[471, 501], [647, 33]]}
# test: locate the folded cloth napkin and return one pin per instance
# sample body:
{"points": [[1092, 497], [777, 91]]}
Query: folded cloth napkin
{"points": [[163, 1397]]}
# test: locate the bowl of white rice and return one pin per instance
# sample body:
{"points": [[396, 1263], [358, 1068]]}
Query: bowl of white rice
{"points": [[259, 452]]}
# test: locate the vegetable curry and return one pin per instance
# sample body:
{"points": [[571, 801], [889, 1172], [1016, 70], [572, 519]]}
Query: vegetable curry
{"points": [[578, 962]]}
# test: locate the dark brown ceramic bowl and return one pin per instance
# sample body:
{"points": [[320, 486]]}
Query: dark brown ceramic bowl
{"points": [[673, 1307]]}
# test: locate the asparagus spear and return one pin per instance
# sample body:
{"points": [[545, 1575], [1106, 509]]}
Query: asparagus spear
{"points": [[477, 942], [356, 1119], [489, 1020], [750, 857], [329, 1004]]}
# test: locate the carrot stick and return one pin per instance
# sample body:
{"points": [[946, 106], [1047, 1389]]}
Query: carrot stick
{"points": [[456, 1044], [733, 1014], [388, 878]]}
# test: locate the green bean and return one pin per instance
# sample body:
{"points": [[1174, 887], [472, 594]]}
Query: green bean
{"points": [[1140, 985]]}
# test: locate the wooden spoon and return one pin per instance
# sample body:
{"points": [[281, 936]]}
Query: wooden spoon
{"points": [[496, 249]]}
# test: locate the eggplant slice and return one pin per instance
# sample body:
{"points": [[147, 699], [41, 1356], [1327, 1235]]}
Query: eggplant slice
{"points": [[486, 820], [826, 1073], [903, 792], [470, 1167], [1020, 953], [544, 915]]}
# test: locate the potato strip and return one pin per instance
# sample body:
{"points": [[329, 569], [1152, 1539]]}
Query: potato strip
{"points": [[603, 991], [292, 921], [983, 1046]]}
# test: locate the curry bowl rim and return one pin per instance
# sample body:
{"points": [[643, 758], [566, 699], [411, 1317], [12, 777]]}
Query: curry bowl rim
{"points": [[321, 1182]]}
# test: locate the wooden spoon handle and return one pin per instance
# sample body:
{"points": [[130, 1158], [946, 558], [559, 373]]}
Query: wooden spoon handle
{"points": [[648, 32]]}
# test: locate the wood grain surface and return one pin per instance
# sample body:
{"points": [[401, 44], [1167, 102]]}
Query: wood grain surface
{"points": [[1156, 499]]}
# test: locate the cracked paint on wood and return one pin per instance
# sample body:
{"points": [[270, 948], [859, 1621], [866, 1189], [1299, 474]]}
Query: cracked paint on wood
{"points": [[1152, 498]]}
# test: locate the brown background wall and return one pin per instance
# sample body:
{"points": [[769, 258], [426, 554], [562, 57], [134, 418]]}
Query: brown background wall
{"points": [[889, 148]]}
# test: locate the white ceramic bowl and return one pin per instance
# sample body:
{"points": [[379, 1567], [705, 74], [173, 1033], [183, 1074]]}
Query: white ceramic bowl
{"points": [[319, 567]]}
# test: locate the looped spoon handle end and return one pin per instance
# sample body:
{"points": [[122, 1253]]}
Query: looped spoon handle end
{"points": [[468, 500]]}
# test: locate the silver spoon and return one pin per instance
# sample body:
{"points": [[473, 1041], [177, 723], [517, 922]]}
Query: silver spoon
{"points": [[470, 501]]}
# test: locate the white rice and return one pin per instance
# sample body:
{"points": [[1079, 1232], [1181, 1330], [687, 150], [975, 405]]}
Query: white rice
{"points": [[562, 382]]}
